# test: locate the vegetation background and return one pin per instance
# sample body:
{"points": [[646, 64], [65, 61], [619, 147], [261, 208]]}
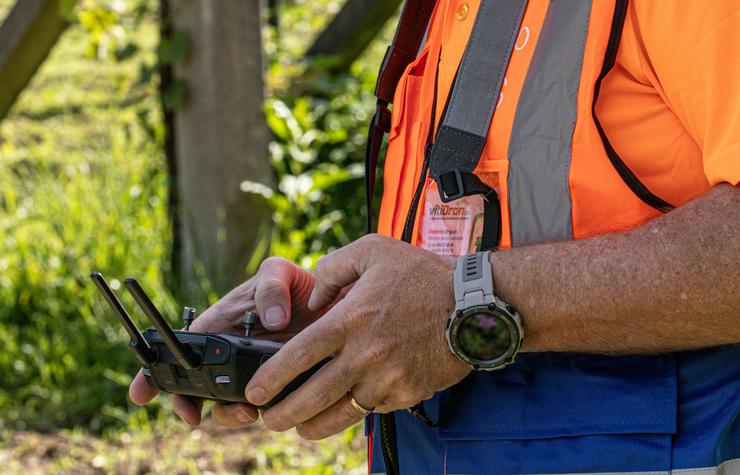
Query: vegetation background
{"points": [[83, 185]]}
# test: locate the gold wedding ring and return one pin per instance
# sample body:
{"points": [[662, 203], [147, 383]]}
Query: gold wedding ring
{"points": [[360, 408]]}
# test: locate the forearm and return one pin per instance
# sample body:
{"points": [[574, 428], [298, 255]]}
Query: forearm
{"points": [[671, 284]]}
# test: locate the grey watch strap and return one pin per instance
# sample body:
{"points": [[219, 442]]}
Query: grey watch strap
{"points": [[473, 281]]}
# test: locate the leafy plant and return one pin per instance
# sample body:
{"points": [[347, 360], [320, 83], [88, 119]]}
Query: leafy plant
{"points": [[319, 123]]}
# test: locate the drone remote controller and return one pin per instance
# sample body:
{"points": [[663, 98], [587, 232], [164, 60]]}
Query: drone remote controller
{"points": [[211, 366]]}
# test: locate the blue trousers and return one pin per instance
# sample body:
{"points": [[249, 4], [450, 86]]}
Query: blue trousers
{"points": [[556, 413]]}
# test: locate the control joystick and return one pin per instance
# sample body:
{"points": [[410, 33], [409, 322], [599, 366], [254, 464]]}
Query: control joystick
{"points": [[249, 319]]}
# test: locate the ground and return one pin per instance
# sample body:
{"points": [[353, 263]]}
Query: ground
{"points": [[171, 447]]}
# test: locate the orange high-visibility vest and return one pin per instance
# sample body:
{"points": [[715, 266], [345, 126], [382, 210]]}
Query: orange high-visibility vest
{"points": [[543, 152]]}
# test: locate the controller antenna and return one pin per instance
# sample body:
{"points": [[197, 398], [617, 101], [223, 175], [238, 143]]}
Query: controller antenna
{"points": [[138, 344], [188, 315], [183, 353], [249, 320]]}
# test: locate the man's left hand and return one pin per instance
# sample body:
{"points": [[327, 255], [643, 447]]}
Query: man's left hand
{"points": [[386, 338]]}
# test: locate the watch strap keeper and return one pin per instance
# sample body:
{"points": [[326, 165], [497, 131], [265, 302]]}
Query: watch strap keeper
{"points": [[473, 280]]}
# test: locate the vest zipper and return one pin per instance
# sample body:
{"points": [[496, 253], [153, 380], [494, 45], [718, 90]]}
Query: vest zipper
{"points": [[615, 35], [408, 228]]}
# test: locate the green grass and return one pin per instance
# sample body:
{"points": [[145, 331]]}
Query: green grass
{"points": [[82, 187]]}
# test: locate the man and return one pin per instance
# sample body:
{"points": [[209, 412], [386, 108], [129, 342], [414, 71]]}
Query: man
{"points": [[631, 320]]}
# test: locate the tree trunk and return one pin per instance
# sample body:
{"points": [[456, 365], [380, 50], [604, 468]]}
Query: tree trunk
{"points": [[221, 138]]}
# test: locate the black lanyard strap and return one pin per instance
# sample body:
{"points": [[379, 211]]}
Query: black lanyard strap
{"points": [[463, 129], [459, 142]]}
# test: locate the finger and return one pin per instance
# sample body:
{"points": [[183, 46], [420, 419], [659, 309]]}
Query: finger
{"points": [[335, 271], [141, 392], [235, 416], [187, 408], [226, 314], [273, 292], [316, 342], [335, 419], [322, 390]]}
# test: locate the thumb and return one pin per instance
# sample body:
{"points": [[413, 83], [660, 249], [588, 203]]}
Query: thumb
{"points": [[273, 297], [140, 392]]}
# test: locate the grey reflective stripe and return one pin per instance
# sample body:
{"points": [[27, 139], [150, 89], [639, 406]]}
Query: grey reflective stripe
{"points": [[729, 467], [542, 133]]}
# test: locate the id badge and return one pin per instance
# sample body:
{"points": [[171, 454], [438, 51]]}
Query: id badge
{"points": [[452, 229]]}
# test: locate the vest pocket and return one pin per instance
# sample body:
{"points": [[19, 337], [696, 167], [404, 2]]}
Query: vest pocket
{"points": [[405, 144], [409, 90], [563, 413]]}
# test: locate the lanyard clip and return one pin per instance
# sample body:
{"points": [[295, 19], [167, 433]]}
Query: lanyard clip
{"points": [[450, 186]]}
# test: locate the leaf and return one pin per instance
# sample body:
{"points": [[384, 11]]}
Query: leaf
{"points": [[174, 50]]}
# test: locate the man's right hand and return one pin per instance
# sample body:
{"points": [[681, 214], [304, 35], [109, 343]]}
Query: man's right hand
{"points": [[279, 293]]}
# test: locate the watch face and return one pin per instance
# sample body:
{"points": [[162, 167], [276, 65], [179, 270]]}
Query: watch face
{"points": [[483, 336]]}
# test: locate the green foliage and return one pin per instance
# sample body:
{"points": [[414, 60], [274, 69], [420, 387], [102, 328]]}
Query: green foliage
{"points": [[63, 357], [111, 25], [315, 154], [319, 122], [83, 186]]}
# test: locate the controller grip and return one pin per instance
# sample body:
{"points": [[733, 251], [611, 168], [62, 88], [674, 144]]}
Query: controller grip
{"points": [[295, 384]]}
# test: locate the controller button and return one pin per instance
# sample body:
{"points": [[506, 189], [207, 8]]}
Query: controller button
{"points": [[223, 379], [216, 351]]}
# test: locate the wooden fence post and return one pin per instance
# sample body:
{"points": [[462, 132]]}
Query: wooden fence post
{"points": [[221, 138]]}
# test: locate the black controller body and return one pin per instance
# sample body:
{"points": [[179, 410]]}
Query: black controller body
{"points": [[227, 364], [205, 365]]}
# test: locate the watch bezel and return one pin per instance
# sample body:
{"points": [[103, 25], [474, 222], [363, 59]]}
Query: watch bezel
{"points": [[509, 317]]}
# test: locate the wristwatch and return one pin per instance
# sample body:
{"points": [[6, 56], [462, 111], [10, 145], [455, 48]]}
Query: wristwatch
{"points": [[483, 331]]}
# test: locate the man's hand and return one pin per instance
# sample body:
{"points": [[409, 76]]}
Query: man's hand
{"points": [[386, 336], [279, 294]]}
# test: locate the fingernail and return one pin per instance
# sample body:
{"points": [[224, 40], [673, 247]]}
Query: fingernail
{"points": [[256, 395], [244, 417], [273, 316], [312, 300], [184, 419]]}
